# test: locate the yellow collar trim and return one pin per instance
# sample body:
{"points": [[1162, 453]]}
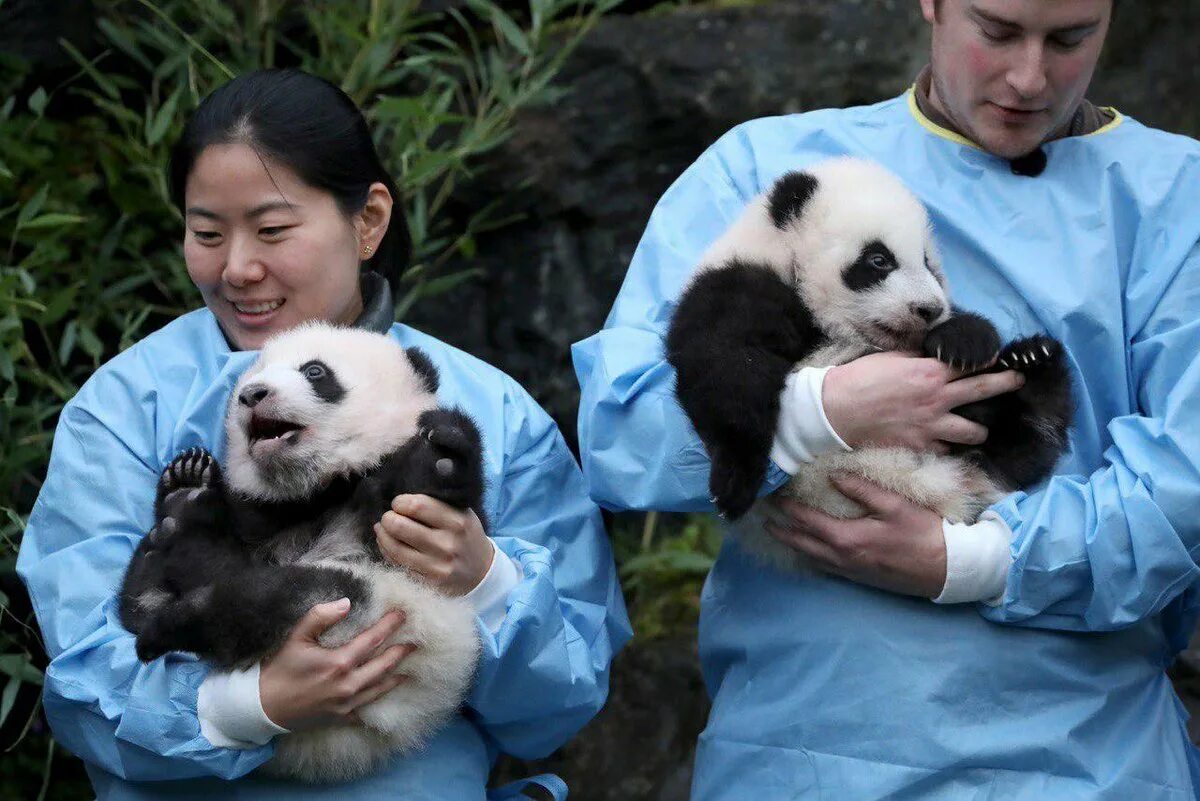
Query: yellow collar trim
{"points": [[933, 127], [1117, 119], [946, 133]]}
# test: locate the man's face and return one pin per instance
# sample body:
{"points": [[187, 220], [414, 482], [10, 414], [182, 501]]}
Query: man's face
{"points": [[1010, 73]]}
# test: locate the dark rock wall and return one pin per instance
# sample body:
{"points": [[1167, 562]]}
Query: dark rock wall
{"points": [[647, 94]]}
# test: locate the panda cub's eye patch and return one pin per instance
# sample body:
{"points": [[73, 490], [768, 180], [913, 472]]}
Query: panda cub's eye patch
{"points": [[875, 262], [323, 380]]}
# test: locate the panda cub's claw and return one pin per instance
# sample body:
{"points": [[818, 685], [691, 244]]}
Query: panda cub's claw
{"points": [[188, 479], [1031, 353]]}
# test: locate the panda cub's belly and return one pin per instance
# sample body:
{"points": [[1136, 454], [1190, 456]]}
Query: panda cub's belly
{"points": [[951, 486]]}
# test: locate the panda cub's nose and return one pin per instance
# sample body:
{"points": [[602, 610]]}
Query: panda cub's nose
{"points": [[927, 311], [251, 395]]}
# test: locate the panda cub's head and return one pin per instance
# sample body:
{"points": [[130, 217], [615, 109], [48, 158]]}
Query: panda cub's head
{"points": [[864, 256], [319, 402], [856, 245]]}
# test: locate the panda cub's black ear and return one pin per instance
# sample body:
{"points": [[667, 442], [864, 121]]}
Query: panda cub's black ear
{"points": [[424, 368], [789, 196]]}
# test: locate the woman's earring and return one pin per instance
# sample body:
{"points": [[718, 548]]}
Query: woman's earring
{"points": [[367, 249]]}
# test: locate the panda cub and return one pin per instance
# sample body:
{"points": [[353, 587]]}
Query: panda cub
{"points": [[322, 431], [829, 265]]}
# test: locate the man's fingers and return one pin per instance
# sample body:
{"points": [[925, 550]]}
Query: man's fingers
{"points": [[822, 554], [320, 618], [363, 646], [871, 496], [959, 430], [981, 387]]}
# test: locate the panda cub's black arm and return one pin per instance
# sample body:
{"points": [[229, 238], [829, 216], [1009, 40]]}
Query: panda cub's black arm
{"points": [[444, 461], [736, 334]]}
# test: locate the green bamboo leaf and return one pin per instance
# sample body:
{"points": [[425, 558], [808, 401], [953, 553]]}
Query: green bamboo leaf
{"points": [[89, 66], [121, 39], [444, 283], [67, 344], [8, 698], [59, 304], [54, 220], [37, 101], [391, 109], [18, 666], [90, 343], [511, 32], [32, 206], [163, 118], [6, 366]]}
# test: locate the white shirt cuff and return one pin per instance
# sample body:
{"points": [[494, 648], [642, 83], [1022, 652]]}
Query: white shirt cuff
{"points": [[978, 558], [230, 710], [803, 432], [489, 598]]}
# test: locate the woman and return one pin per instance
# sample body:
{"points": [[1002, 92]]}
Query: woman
{"points": [[289, 218]]}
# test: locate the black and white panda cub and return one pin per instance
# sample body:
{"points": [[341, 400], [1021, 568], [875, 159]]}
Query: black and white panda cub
{"points": [[323, 430], [831, 264]]}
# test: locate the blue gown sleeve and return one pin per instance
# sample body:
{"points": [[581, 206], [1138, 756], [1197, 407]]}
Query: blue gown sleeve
{"points": [[637, 447], [544, 673], [1100, 552], [134, 720]]}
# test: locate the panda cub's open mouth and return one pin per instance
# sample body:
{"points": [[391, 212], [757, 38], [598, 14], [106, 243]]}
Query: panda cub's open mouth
{"points": [[269, 431]]}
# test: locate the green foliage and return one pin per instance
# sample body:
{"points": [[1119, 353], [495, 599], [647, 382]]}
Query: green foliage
{"points": [[663, 566], [90, 259]]}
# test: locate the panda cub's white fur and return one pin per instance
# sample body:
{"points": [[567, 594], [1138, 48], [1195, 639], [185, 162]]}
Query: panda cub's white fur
{"points": [[856, 202], [383, 398]]}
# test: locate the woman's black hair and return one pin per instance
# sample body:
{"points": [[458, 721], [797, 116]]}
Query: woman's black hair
{"points": [[307, 124]]}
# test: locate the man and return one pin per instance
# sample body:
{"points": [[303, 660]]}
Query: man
{"points": [[1039, 674]]}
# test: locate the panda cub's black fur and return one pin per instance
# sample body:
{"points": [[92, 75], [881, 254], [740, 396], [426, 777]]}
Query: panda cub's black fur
{"points": [[831, 264], [322, 431]]}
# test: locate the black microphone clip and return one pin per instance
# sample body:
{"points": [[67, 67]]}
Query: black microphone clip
{"points": [[1030, 165]]}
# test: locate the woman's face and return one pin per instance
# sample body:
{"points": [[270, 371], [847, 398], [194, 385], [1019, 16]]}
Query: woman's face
{"points": [[266, 250]]}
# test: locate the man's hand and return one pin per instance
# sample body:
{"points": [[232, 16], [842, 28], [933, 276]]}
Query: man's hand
{"points": [[898, 546], [898, 400], [446, 546]]}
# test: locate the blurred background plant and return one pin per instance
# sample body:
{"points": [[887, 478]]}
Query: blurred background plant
{"points": [[90, 255]]}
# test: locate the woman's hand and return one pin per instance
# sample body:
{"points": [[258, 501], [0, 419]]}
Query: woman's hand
{"points": [[898, 400], [305, 685], [898, 546], [446, 546]]}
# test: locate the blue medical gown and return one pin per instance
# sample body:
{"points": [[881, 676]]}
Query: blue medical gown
{"points": [[824, 689], [541, 677]]}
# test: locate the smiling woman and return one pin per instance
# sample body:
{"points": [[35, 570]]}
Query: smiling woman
{"points": [[280, 216], [288, 214]]}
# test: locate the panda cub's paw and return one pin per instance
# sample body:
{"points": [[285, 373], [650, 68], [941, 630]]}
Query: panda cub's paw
{"points": [[186, 491], [447, 460], [1031, 354], [966, 342], [734, 486]]}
